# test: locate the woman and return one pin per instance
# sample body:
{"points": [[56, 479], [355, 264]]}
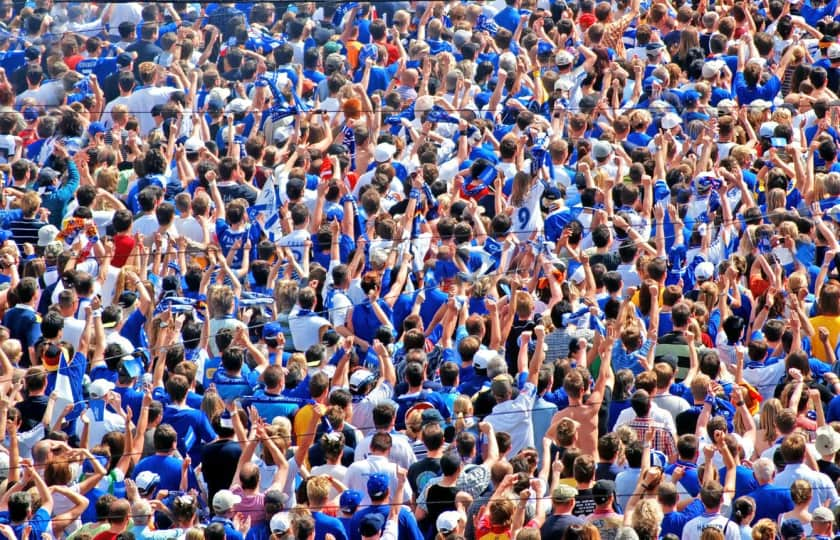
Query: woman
{"points": [[801, 493], [743, 512], [525, 195], [646, 520], [624, 380], [767, 435], [68, 495]]}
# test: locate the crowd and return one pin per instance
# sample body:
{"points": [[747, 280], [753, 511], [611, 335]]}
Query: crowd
{"points": [[432, 270]]}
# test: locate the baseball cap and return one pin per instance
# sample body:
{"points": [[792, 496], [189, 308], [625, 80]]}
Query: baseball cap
{"points": [[224, 500], [32, 53], [705, 270], [767, 129], [827, 441], [96, 127], [726, 105], [833, 52], [712, 68], [822, 514], [564, 58], [124, 59], [332, 47], [30, 114], [670, 120], [46, 235], [791, 529], [760, 104], [602, 491], [447, 522], [99, 388], [371, 524], [691, 95], [563, 493], [127, 299], [482, 357], [384, 152], [601, 149], [279, 523], [238, 106], [193, 145], [431, 416], [349, 501], [654, 47], [147, 481], [359, 378], [377, 485], [272, 330]]}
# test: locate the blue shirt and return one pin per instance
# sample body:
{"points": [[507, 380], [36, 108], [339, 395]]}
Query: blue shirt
{"points": [[230, 531], [622, 358], [40, 523], [747, 94], [25, 326], [407, 524], [771, 501], [192, 426], [674, 522], [325, 524], [169, 470]]}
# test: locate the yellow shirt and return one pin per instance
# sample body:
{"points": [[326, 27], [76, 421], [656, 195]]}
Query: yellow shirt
{"points": [[832, 323]]}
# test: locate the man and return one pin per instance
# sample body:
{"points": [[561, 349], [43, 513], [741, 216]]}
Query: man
{"points": [[384, 419], [822, 524], [662, 439], [604, 517], [561, 518], [422, 471], [793, 452], [163, 462], [318, 495], [770, 502], [586, 413], [711, 495], [223, 507], [141, 101], [377, 461], [514, 415], [118, 515], [379, 492]]}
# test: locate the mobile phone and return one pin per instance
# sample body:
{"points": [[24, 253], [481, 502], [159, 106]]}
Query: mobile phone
{"points": [[778, 142]]}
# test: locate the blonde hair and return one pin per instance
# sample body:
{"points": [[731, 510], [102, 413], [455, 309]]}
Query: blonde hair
{"points": [[767, 418], [764, 529], [194, 533], [646, 518], [219, 300], [318, 490], [212, 404], [13, 350]]}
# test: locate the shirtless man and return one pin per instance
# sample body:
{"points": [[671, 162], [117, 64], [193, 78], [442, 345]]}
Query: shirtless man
{"points": [[585, 414]]}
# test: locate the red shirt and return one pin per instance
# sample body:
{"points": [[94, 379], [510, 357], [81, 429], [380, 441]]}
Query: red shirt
{"points": [[106, 535], [123, 244]]}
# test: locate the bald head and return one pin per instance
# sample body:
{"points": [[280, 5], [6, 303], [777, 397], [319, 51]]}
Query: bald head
{"points": [[249, 476]]}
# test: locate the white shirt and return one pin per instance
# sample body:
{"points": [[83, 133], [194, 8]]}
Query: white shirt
{"points": [[140, 104], [190, 228], [401, 452], [359, 472], [112, 336], [72, 332], [147, 225], [122, 12], [693, 530], [659, 415], [306, 329], [514, 417], [822, 487], [106, 113], [363, 410], [764, 378], [98, 429]]}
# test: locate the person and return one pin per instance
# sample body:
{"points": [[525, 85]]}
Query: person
{"points": [[561, 518]]}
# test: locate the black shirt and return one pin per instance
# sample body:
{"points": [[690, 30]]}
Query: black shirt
{"points": [[32, 411], [439, 499], [584, 503], [555, 526], [610, 260], [218, 464], [421, 472]]}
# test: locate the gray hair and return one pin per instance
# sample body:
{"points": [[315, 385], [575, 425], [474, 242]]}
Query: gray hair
{"points": [[626, 533], [763, 469], [141, 512], [496, 366]]}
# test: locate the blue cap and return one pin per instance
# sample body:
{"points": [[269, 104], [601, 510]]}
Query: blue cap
{"points": [[272, 330], [371, 524], [691, 95], [654, 46], [544, 48], [791, 528], [96, 127], [377, 485], [349, 501], [650, 81], [31, 114]]}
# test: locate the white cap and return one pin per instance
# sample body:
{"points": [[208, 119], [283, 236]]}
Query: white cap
{"points": [[384, 152], [193, 145], [99, 388], [46, 235], [833, 52], [359, 377], [712, 68], [482, 358], [279, 523], [767, 129], [147, 480], [705, 270], [670, 120], [238, 105], [601, 149], [827, 441], [727, 104], [224, 500], [447, 522], [4, 465], [563, 84], [564, 58], [760, 104]]}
